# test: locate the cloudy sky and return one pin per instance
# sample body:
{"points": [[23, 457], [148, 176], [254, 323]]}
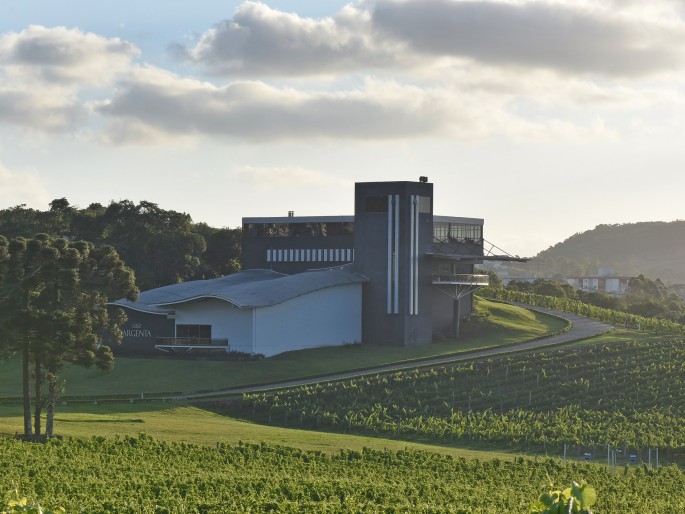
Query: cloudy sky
{"points": [[545, 118]]}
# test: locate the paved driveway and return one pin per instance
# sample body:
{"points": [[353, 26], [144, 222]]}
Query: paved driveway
{"points": [[582, 328]]}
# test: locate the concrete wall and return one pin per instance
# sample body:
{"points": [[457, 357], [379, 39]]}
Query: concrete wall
{"points": [[372, 232], [227, 321], [328, 317]]}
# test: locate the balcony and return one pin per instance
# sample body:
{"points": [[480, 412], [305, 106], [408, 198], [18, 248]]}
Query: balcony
{"points": [[187, 344], [461, 279]]}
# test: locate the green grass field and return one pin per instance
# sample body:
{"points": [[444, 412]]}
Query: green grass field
{"points": [[639, 488], [182, 422], [132, 376]]}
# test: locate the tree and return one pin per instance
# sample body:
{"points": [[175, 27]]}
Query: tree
{"points": [[222, 255], [59, 204], [54, 295], [162, 246], [548, 288]]}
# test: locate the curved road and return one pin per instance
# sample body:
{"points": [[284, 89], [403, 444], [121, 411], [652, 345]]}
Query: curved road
{"points": [[582, 328]]}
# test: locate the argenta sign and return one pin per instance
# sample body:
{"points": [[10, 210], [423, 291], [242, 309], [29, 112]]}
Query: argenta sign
{"points": [[136, 330]]}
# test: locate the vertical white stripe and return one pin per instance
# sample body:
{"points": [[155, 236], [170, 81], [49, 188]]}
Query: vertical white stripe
{"points": [[390, 254], [396, 308], [416, 257], [268, 255], [411, 253]]}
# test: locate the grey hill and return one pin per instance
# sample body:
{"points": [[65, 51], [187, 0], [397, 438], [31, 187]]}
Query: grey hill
{"points": [[655, 249]]}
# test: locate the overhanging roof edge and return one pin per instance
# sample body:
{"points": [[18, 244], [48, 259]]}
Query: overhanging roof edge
{"points": [[200, 297], [462, 258]]}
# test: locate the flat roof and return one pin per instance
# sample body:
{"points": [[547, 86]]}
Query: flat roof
{"points": [[300, 219], [350, 219], [458, 219]]}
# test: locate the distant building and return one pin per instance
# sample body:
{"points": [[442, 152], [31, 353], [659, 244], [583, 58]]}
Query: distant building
{"points": [[604, 282], [394, 274]]}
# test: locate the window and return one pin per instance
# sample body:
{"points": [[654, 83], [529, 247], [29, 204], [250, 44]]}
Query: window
{"points": [[457, 231], [441, 231], [194, 331], [466, 232], [340, 228], [424, 204]]}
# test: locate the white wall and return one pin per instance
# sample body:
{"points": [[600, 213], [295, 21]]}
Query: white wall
{"points": [[612, 285], [328, 317], [227, 321]]}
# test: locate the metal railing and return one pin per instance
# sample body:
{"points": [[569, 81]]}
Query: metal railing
{"points": [[462, 278], [191, 341]]}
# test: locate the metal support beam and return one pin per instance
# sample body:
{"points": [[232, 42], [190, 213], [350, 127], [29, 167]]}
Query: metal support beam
{"points": [[460, 291]]}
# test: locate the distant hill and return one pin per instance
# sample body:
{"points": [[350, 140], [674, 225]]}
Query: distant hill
{"points": [[655, 249]]}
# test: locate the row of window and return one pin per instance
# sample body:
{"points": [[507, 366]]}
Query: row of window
{"points": [[310, 255], [194, 331], [322, 229], [461, 232]]}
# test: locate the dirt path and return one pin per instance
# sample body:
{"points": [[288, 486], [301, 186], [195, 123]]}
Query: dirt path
{"points": [[582, 328]]}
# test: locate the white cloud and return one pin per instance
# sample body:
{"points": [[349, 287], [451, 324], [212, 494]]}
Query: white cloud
{"points": [[262, 40], [568, 37], [22, 188], [39, 109], [45, 71], [158, 106], [62, 56], [256, 111], [445, 72]]}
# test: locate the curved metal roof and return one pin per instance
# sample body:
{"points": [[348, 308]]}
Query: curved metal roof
{"points": [[251, 288]]}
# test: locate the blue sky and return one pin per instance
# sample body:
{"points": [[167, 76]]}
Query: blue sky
{"points": [[545, 118]]}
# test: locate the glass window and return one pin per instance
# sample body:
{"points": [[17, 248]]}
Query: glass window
{"points": [[441, 231], [194, 331], [424, 204]]}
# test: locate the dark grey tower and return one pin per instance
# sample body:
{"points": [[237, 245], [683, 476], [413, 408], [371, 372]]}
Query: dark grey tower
{"points": [[393, 232]]}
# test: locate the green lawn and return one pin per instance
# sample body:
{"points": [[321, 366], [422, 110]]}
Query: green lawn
{"points": [[133, 376], [177, 422]]}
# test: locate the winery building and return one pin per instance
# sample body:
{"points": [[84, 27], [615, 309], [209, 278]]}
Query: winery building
{"points": [[394, 273]]}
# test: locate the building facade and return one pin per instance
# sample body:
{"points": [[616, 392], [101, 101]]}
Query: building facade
{"points": [[420, 267], [393, 273]]}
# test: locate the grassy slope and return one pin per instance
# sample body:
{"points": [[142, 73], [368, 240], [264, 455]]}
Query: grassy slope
{"points": [[181, 422], [509, 325]]}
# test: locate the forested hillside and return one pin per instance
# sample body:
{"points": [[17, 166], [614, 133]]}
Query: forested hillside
{"points": [[655, 249], [162, 246]]}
